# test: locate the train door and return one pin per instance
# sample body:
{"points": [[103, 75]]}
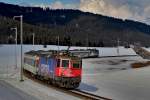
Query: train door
{"points": [[37, 61], [58, 63], [62, 66], [65, 67]]}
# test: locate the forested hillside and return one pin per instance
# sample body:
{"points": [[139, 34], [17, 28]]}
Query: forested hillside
{"points": [[73, 26]]}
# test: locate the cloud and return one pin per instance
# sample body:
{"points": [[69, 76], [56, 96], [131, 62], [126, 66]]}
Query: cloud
{"points": [[125, 9], [105, 8], [54, 5], [58, 5]]}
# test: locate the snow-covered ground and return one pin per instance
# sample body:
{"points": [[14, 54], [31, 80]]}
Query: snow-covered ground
{"points": [[39, 91], [108, 77], [96, 66], [114, 78]]}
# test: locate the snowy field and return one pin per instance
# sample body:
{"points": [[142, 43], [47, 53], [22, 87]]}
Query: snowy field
{"points": [[114, 78], [110, 77]]}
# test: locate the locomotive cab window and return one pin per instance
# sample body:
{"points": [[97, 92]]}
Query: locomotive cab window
{"points": [[65, 63], [76, 64]]}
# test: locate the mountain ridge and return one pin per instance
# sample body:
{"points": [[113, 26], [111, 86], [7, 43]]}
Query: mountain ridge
{"points": [[81, 26]]}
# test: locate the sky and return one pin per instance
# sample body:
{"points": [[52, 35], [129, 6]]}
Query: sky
{"points": [[138, 10]]}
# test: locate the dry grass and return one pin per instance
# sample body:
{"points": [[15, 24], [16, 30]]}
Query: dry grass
{"points": [[140, 64]]}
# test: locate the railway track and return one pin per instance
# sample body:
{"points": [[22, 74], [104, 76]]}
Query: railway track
{"points": [[88, 96], [77, 93]]}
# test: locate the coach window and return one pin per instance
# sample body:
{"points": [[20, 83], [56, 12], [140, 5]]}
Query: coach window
{"points": [[65, 63], [58, 62]]}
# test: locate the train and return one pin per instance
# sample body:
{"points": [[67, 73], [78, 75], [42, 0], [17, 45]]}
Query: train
{"points": [[59, 68], [85, 53]]}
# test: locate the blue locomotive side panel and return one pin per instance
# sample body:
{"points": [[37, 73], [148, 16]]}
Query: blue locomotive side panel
{"points": [[52, 65], [46, 67]]}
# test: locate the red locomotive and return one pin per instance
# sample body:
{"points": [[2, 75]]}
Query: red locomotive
{"points": [[61, 68]]}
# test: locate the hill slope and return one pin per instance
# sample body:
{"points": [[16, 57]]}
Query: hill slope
{"points": [[76, 25]]}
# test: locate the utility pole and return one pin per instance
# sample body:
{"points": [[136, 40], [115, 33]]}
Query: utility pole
{"points": [[58, 44], [118, 43], [87, 40], [21, 38], [16, 45], [33, 40]]}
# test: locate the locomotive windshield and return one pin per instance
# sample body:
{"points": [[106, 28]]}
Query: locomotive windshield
{"points": [[65, 63], [76, 64]]}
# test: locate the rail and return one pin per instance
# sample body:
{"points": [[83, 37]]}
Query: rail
{"points": [[88, 96]]}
